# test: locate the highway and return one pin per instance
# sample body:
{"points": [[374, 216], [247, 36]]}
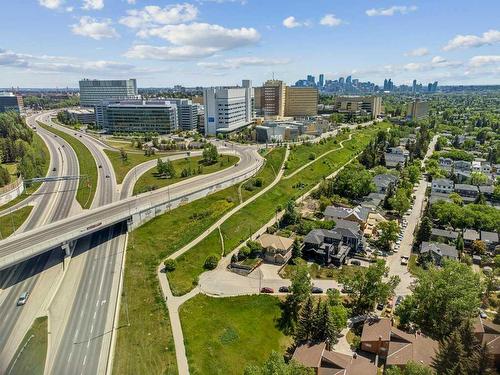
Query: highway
{"points": [[52, 202], [28, 244]]}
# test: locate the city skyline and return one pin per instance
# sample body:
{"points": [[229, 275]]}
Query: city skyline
{"points": [[206, 43]]}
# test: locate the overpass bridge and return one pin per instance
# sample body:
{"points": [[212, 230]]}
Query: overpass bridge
{"points": [[134, 210]]}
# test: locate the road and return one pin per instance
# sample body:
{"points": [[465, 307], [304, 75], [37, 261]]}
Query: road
{"points": [[52, 202], [24, 245]]}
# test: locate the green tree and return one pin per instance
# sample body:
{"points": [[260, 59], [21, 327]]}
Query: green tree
{"points": [[424, 230], [296, 249], [170, 265], [276, 365], [388, 234], [478, 247], [211, 262], [400, 202], [368, 287], [454, 288], [291, 216], [210, 154], [449, 358], [123, 155], [456, 198], [478, 178], [4, 176], [411, 368], [460, 243], [353, 182], [305, 323], [300, 291]]}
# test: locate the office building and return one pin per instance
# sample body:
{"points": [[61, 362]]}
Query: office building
{"points": [[270, 98], [10, 102], [187, 113], [359, 105], [92, 92], [417, 110], [82, 116], [321, 81], [228, 108], [301, 101], [140, 116]]}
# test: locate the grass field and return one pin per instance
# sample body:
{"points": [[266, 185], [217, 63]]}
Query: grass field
{"points": [[87, 186], [30, 357], [150, 180], [224, 335], [10, 222], [137, 349], [38, 144], [239, 226]]}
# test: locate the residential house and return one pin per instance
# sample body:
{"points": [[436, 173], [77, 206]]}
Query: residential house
{"points": [[481, 166], [373, 200], [487, 191], [396, 156], [462, 165], [384, 182], [488, 334], [467, 191], [396, 346], [357, 214], [443, 235], [470, 235], [490, 239], [326, 362], [439, 251], [445, 163], [277, 249], [442, 185], [435, 197], [374, 218]]}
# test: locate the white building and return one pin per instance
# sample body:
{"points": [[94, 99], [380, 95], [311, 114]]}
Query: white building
{"points": [[228, 108]]}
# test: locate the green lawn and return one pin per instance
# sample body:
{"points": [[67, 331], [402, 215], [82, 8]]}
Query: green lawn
{"points": [[151, 181], [31, 354], [300, 154], [38, 144], [87, 185], [137, 349], [11, 168], [224, 335], [239, 226], [12, 221]]}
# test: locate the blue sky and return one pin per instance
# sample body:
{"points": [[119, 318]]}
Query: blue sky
{"points": [[54, 43]]}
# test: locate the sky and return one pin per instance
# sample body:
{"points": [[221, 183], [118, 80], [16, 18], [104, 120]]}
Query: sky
{"points": [[54, 43]]}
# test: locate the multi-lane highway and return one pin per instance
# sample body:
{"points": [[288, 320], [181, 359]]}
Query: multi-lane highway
{"points": [[52, 202]]}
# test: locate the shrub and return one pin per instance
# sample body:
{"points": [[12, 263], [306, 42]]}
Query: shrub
{"points": [[170, 265], [211, 262], [312, 156], [258, 182]]}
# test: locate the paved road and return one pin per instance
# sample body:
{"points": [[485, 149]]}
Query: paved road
{"points": [[53, 202], [38, 240]]}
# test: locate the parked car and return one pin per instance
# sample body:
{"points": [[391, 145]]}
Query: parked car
{"points": [[355, 262], [380, 306], [23, 298], [54, 169], [399, 300], [404, 260], [267, 290], [482, 314], [316, 290], [284, 289], [346, 289]]}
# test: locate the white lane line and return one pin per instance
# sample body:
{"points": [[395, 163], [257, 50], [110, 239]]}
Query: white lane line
{"points": [[95, 312], [84, 360], [91, 329]]}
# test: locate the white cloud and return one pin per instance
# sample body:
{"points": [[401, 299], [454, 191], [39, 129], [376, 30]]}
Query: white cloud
{"points": [[291, 22], [418, 52], [93, 4], [467, 41], [402, 9], [330, 20], [153, 15], [478, 61], [94, 29], [51, 4], [238, 62], [145, 51], [131, 2], [436, 62]]}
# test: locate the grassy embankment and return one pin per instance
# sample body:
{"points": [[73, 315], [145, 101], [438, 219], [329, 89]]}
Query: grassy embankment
{"points": [[41, 147], [31, 354], [88, 168], [151, 181], [138, 349], [239, 226], [13, 220]]}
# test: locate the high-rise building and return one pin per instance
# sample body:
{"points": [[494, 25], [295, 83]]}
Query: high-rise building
{"points": [[92, 92], [348, 81], [414, 87], [311, 80], [187, 113], [417, 110], [359, 105], [341, 81], [140, 116], [301, 101], [10, 102], [271, 98], [227, 108], [321, 81]]}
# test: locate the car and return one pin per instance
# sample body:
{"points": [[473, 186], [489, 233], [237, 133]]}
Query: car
{"points": [[80, 136], [266, 290], [23, 298], [316, 290], [346, 289], [107, 176], [355, 262], [404, 261], [55, 135], [284, 289], [100, 166], [54, 169], [399, 300], [380, 306], [482, 314], [62, 146]]}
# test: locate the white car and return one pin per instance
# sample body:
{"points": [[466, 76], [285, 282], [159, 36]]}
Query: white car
{"points": [[404, 260], [23, 298]]}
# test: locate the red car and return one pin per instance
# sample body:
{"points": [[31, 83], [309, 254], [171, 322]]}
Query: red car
{"points": [[267, 290]]}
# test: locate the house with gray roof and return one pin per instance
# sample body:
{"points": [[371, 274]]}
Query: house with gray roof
{"points": [[443, 235], [470, 235], [442, 185], [384, 182], [466, 190], [357, 214], [490, 239], [439, 251]]}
